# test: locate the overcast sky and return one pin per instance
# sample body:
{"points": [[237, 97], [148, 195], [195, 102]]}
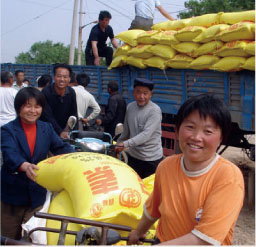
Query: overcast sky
{"points": [[24, 22]]}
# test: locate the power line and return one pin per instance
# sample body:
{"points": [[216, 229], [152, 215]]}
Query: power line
{"points": [[36, 17]]}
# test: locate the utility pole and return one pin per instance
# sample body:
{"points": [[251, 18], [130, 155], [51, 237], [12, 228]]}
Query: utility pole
{"points": [[73, 35], [80, 34]]}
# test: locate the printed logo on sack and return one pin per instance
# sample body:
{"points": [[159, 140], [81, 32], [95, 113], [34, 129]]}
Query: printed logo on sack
{"points": [[96, 210], [130, 198], [198, 214]]}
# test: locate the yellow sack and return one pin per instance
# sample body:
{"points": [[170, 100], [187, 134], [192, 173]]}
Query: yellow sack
{"points": [[118, 62], [189, 33], [171, 25], [149, 183], [253, 27], [146, 38], [235, 17], [208, 48], [122, 50], [210, 33], [241, 30], [130, 36], [156, 62], [250, 48], [61, 205], [207, 20], [234, 48], [229, 64], [163, 51], [188, 48], [141, 51], [180, 61], [204, 62], [101, 187], [250, 64], [165, 38], [136, 62]]}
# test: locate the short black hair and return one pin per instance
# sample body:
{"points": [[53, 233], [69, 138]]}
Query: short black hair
{"points": [[207, 105], [113, 85], [25, 94], [104, 14], [143, 83], [44, 80], [18, 71], [62, 65], [83, 79], [5, 76]]}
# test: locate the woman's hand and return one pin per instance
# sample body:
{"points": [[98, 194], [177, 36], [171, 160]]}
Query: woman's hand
{"points": [[28, 168], [134, 237]]}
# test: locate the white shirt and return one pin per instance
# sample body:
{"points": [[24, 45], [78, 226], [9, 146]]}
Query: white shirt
{"points": [[84, 100], [15, 86], [146, 8], [7, 111]]}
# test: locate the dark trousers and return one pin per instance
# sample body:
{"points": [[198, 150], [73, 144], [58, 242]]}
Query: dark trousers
{"points": [[107, 52], [12, 217], [143, 168], [141, 23]]}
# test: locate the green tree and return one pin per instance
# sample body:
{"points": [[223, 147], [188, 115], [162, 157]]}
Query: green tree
{"points": [[46, 53], [201, 7]]}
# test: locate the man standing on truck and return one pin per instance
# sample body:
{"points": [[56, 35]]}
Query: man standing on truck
{"points": [[96, 45], [144, 14], [142, 130]]}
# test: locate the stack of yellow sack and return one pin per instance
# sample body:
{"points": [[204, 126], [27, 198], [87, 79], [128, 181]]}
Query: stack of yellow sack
{"points": [[92, 186], [222, 42]]}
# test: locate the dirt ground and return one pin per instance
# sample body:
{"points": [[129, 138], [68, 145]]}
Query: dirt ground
{"points": [[244, 233]]}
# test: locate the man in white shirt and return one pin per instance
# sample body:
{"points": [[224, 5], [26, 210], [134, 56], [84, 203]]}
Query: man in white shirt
{"points": [[18, 84], [84, 100], [7, 95], [144, 14]]}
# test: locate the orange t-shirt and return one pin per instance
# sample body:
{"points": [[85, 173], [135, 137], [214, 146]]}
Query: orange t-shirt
{"points": [[206, 203], [30, 132]]}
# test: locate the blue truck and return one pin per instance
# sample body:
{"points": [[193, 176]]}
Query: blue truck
{"points": [[172, 88]]}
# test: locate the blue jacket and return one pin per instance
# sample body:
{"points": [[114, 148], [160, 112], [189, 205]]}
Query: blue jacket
{"points": [[16, 187]]}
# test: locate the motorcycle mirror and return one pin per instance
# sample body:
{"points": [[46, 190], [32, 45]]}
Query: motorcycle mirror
{"points": [[119, 129], [72, 122]]}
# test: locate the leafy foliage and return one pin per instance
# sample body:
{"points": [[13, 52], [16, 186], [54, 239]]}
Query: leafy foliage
{"points": [[201, 7], [46, 53]]}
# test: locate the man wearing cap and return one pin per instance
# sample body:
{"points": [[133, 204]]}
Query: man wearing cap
{"points": [[142, 130]]}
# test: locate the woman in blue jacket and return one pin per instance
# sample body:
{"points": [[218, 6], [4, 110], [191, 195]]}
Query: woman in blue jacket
{"points": [[25, 141]]}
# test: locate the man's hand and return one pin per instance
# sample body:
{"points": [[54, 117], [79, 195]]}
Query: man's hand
{"points": [[28, 168], [64, 135], [119, 147], [84, 120], [98, 122], [97, 61], [134, 237]]}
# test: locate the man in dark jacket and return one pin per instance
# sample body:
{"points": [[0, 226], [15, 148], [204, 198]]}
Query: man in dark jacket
{"points": [[60, 100], [115, 110]]}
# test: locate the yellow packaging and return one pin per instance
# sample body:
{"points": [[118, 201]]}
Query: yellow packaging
{"points": [[207, 20], [156, 62], [165, 38], [118, 61], [253, 27], [180, 61], [208, 48], [204, 62], [141, 51], [250, 64], [163, 51], [61, 205], [187, 34], [146, 38], [101, 187], [229, 64], [189, 48], [241, 30], [149, 183], [171, 25], [235, 17], [136, 62], [234, 48], [130, 36], [210, 33], [122, 50], [250, 48]]}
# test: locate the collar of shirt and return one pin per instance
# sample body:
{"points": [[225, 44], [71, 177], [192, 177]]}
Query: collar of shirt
{"points": [[67, 91]]}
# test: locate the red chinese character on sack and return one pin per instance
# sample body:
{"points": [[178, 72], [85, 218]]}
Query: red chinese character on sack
{"points": [[143, 186], [102, 180], [130, 198]]}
